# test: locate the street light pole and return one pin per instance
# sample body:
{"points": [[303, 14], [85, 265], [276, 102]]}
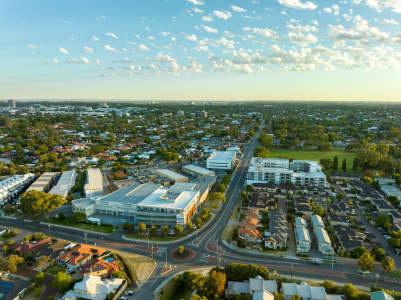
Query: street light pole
{"points": [[49, 228]]}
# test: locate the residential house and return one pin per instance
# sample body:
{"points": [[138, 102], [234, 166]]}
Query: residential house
{"points": [[277, 236], [248, 229], [100, 267], [259, 288], [302, 236], [80, 255], [381, 295], [306, 292], [25, 248], [94, 288]]}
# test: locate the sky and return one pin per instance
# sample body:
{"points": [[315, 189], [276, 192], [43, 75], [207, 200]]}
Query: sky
{"points": [[201, 49]]}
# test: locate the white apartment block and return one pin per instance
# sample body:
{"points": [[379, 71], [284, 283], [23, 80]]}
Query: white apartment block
{"points": [[281, 171], [11, 186], [221, 160], [65, 183]]}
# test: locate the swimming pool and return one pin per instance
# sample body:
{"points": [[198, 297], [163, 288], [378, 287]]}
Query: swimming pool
{"points": [[5, 286]]}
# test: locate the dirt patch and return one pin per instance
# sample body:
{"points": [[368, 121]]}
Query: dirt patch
{"points": [[141, 266]]}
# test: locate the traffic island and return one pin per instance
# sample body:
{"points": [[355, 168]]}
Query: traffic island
{"points": [[182, 254]]}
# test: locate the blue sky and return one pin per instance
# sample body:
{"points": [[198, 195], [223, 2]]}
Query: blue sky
{"points": [[201, 49]]}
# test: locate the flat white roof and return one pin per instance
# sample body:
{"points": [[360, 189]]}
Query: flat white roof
{"points": [[65, 183], [198, 170], [222, 155], [170, 174], [94, 180], [163, 198]]}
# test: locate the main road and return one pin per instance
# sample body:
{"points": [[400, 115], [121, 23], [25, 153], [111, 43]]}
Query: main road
{"points": [[206, 244]]}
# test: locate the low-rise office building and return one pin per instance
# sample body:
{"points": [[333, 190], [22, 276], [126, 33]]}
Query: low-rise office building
{"points": [[65, 183], [13, 185], [94, 183], [171, 175], [281, 171], [195, 170], [150, 203], [221, 160], [44, 182]]}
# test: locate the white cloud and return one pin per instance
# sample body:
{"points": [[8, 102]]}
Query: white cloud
{"points": [[190, 37], [297, 4], [64, 51], [209, 29], [380, 5], [266, 32], [111, 34], [109, 48], [95, 38], [97, 61], [55, 61], [302, 39], [165, 33], [88, 50], [81, 60], [390, 22], [32, 46], [207, 19], [225, 15], [197, 10], [142, 47], [85, 60], [196, 2], [301, 28], [237, 8]]}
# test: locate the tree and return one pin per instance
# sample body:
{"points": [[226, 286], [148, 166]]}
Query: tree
{"points": [[10, 263], [384, 221], [178, 229], [181, 250], [165, 230], [261, 152], [365, 262], [5, 250], [350, 291], [355, 164], [198, 222], [221, 188], [344, 165], [335, 163], [216, 283], [79, 216], [295, 297], [319, 210], [39, 278], [35, 202], [189, 225], [153, 230], [128, 227], [388, 265], [218, 197], [142, 228], [61, 281]]}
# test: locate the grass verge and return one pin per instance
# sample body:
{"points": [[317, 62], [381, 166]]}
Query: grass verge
{"points": [[314, 155], [85, 226]]}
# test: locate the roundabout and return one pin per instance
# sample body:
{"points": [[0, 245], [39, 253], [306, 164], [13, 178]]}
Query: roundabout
{"points": [[182, 254]]}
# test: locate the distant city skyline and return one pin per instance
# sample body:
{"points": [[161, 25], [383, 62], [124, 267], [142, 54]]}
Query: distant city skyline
{"points": [[201, 50]]}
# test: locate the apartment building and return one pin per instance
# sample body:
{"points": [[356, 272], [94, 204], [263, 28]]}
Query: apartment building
{"points": [[302, 235], [281, 171], [13, 185]]}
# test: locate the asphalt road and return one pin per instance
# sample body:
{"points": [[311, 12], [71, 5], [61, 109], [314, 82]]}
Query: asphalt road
{"points": [[207, 247]]}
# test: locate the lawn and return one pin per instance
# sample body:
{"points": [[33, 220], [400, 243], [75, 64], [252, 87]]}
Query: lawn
{"points": [[315, 155], [68, 222]]}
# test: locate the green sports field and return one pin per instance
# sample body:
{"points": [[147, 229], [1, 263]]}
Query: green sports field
{"points": [[314, 155]]}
